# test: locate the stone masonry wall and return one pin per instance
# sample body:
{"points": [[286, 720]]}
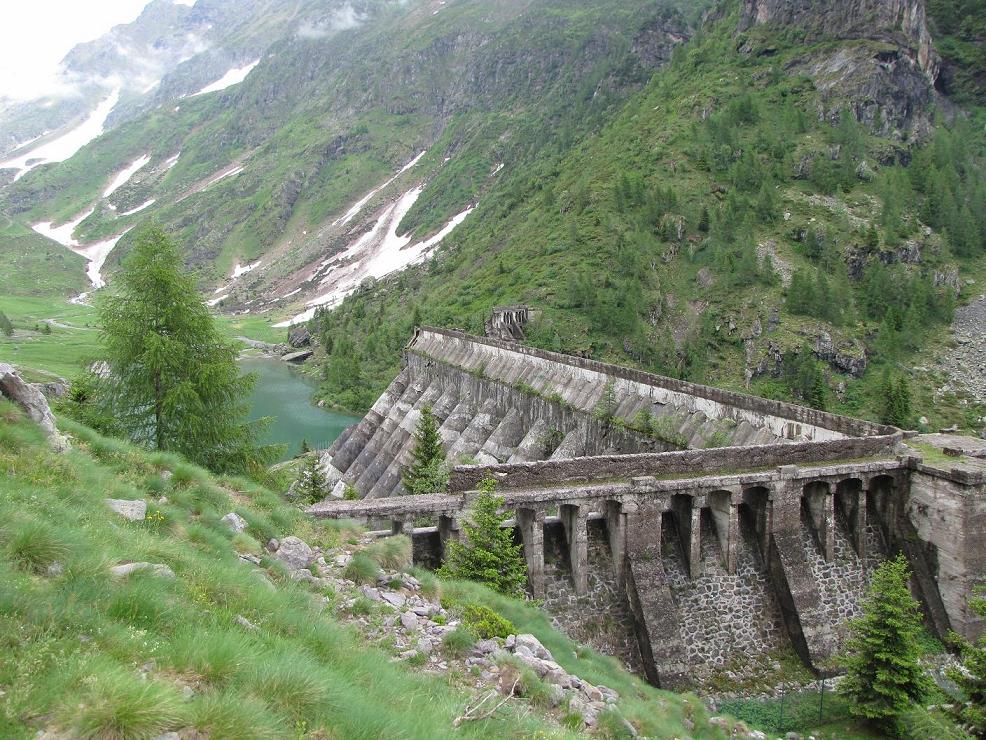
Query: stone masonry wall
{"points": [[842, 583], [602, 467], [728, 622], [950, 520], [601, 618]]}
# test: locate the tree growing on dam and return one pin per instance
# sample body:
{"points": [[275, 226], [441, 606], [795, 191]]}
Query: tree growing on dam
{"points": [[884, 678], [172, 380], [487, 552], [427, 472]]}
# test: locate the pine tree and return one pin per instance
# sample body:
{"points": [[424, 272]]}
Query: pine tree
{"points": [[895, 400], [427, 472], [5, 326], [312, 481], [487, 552], [971, 678], [174, 383], [884, 678]]}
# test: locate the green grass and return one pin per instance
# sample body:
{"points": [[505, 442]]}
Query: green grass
{"points": [[90, 655], [74, 340]]}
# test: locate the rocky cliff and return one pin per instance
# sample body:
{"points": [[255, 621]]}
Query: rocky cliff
{"points": [[897, 21], [887, 79]]}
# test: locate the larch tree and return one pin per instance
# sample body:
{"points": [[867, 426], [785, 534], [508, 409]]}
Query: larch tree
{"points": [[173, 383], [884, 677], [427, 472]]}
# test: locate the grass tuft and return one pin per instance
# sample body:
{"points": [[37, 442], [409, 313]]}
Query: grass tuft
{"points": [[117, 705], [392, 553], [362, 569], [33, 544]]}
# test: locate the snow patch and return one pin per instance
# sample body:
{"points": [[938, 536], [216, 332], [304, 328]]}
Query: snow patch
{"points": [[95, 253], [139, 208], [60, 149], [358, 205], [223, 175], [244, 269], [124, 175], [376, 254], [62, 234], [214, 301], [233, 77]]}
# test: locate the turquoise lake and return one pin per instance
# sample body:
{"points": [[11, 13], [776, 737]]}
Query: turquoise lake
{"points": [[285, 394]]}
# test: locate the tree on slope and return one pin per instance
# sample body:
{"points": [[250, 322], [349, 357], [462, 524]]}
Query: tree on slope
{"points": [[971, 677], [173, 382], [427, 472], [884, 678], [487, 552]]}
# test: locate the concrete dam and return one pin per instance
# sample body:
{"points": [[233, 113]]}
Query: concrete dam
{"points": [[702, 527]]}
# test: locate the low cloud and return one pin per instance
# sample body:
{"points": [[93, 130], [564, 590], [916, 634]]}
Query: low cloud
{"points": [[340, 19]]}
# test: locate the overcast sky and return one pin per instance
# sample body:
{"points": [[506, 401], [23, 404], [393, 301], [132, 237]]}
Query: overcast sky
{"points": [[38, 33]]}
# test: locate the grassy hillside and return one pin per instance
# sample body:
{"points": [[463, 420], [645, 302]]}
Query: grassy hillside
{"points": [[716, 225], [89, 654]]}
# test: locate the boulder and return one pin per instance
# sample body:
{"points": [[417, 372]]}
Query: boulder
{"points": [[132, 510], [394, 598], [53, 389], [295, 553], [235, 522], [30, 398], [125, 569], [409, 621], [299, 337], [297, 357], [534, 645]]}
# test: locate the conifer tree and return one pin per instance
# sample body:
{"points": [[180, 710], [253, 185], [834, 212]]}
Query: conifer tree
{"points": [[427, 472], [884, 678], [971, 678], [895, 400], [487, 552], [5, 326], [312, 481], [173, 383]]}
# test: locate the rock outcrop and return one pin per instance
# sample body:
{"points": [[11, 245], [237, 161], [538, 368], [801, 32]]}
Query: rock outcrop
{"points": [[902, 22], [30, 398], [884, 74]]}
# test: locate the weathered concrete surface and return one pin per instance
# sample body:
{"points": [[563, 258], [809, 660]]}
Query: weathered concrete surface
{"points": [[713, 553], [501, 403]]}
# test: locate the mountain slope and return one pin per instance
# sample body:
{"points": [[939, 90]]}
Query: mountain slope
{"points": [[252, 170], [791, 202], [732, 224]]}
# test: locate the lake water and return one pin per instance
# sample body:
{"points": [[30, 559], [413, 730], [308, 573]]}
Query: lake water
{"points": [[285, 394]]}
